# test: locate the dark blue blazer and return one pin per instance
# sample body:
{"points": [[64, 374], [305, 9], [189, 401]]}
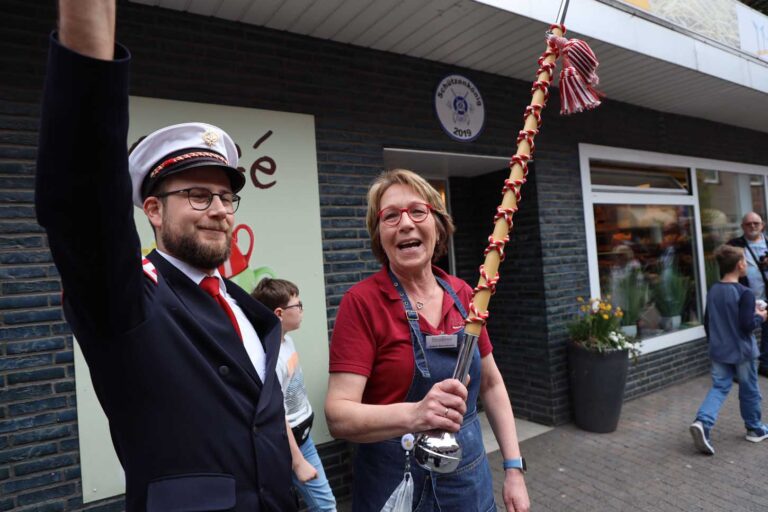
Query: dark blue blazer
{"points": [[192, 424]]}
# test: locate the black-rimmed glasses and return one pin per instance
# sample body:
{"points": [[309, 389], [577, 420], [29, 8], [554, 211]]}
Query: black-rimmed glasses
{"points": [[200, 199], [418, 212], [297, 305]]}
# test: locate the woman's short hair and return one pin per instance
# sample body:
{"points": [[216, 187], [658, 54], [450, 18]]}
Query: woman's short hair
{"points": [[275, 293], [728, 257], [443, 221]]}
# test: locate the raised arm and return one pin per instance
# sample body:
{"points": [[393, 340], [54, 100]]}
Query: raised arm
{"points": [[88, 27], [82, 189]]}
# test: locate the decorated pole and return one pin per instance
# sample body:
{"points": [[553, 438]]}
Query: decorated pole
{"points": [[577, 93], [441, 452]]}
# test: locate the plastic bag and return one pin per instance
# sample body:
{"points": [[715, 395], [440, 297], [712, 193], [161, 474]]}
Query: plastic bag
{"points": [[402, 499]]}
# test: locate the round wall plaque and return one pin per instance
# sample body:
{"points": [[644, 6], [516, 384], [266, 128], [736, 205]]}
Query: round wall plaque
{"points": [[460, 108]]}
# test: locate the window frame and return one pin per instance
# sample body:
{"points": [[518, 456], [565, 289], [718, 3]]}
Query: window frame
{"points": [[601, 194]]}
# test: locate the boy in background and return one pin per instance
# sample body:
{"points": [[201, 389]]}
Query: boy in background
{"points": [[730, 317], [282, 297]]}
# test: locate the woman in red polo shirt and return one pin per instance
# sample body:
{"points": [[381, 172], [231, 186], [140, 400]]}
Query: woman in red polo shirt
{"points": [[393, 353]]}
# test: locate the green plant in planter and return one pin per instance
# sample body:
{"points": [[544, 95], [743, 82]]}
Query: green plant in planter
{"points": [[671, 292], [597, 328], [632, 293]]}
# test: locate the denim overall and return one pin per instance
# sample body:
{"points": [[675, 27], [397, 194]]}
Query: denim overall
{"points": [[379, 466]]}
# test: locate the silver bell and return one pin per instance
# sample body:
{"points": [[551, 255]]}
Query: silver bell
{"points": [[440, 453]]}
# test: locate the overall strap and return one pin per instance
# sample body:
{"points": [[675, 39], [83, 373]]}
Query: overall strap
{"points": [[413, 321], [453, 295]]}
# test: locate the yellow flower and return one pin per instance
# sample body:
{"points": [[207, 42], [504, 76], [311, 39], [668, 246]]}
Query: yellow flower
{"points": [[584, 308], [605, 317], [619, 314], [579, 299], [608, 307]]}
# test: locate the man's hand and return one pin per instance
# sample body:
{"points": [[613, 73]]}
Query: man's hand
{"points": [[88, 27]]}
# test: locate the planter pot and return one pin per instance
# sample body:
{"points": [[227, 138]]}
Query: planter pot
{"points": [[597, 381], [629, 330], [669, 323]]}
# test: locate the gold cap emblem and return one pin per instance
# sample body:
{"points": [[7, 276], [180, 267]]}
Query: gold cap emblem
{"points": [[210, 138]]}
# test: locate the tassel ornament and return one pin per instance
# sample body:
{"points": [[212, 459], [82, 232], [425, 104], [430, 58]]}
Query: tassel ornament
{"points": [[578, 79]]}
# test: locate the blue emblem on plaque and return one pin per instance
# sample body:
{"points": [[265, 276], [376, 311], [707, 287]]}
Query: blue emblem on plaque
{"points": [[459, 108]]}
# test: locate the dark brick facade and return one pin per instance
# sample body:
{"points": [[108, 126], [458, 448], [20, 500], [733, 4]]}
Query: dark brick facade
{"points": [[362, 101]]}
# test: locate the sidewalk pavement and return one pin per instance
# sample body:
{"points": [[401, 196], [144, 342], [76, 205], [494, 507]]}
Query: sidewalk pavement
{"points": [[649, 464]]}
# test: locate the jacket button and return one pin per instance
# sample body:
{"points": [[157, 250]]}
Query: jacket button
{"points": [[223, 370], [255, 429]]}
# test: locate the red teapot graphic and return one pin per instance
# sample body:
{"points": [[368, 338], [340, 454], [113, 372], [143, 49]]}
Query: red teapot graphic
{"points": [[237, 262], [236, 267]]}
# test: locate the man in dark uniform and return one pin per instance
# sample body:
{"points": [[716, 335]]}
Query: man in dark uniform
{"points": [[183, 362]]}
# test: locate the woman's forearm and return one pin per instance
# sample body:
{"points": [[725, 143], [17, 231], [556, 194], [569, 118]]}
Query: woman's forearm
{"points": [[364, 423]]}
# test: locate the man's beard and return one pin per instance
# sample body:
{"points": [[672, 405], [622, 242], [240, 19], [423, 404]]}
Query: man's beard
{"points": [[186, 248]]}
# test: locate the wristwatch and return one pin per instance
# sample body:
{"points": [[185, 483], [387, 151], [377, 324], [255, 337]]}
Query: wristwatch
{"points": [[518, 463]]}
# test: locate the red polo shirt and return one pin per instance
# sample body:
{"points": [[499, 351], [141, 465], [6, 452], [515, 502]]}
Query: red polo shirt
{"points": [[372, 338]]}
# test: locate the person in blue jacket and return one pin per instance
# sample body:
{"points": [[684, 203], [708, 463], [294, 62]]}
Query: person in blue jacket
{"points": [[182, 361], [730, 317]]}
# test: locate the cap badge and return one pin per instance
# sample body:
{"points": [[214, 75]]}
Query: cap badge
{"points": [[210, 138]]}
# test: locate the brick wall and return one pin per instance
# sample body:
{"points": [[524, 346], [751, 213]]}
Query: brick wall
{"points": [[362, 101]]}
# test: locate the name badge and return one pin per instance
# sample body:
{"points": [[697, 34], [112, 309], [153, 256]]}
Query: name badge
{"points": [[442, 341]]}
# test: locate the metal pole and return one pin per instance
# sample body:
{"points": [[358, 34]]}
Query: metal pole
{"points": [[561, 12]]}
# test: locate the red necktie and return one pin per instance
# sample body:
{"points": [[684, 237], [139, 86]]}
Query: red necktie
{"points": [[211, 286]]}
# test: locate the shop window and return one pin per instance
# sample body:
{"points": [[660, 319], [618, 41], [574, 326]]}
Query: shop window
{"points": [[724, 198], [660, 179], [647, 266], [653, 222]]}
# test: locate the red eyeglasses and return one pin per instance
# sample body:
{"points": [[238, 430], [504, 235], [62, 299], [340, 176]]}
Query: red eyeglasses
{"points": [[417, 212]]}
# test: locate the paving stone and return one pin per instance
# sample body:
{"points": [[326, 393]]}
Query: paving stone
{"points": [[649, 463]]}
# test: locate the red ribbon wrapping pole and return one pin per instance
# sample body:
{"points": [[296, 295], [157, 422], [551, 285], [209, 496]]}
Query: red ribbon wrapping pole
{"points": [[578, 82]]}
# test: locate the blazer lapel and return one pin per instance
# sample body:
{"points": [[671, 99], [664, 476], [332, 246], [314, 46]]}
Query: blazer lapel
{"points": [[268, 328], [206, 313]]}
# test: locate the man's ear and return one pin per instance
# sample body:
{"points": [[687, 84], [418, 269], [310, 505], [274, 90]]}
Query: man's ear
{"points": [[279, 313], [153, 209]]}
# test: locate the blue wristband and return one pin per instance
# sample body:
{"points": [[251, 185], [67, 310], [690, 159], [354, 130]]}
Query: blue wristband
{"points": [[518, 463]]}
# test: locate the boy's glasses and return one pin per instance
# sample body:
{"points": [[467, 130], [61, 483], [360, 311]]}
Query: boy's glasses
{"points": [[418, 212], [297, 305]]}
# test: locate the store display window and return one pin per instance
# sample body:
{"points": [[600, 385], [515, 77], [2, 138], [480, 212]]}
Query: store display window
{"points": [[652, 224]]}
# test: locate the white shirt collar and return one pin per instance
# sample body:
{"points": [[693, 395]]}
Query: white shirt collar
{"points": [[196, 275]]}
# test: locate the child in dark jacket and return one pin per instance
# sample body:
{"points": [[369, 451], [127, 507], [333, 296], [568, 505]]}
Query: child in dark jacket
{"points": [[730, 317]]}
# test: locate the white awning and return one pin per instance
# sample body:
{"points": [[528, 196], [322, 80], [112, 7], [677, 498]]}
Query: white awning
{"points": [[643, 61]]}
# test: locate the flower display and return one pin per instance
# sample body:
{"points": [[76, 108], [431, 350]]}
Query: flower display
{"points": [[597, 327]]}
